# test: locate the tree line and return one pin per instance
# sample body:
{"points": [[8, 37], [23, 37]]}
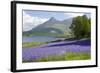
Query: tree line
{"points": [[81, 27]]}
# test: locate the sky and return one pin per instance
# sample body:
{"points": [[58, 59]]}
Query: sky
{"points": [[32, 18]]}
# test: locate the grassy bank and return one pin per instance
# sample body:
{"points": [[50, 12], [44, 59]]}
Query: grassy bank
{"points": [[32, 44]]}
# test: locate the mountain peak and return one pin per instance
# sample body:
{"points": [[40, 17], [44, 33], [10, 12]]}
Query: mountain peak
{"points": [[52, 19]]}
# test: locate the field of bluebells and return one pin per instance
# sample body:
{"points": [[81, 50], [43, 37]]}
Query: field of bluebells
{"points": [[58, 51]]}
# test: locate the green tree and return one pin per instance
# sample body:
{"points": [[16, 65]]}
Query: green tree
{"points": [[81, 26]]}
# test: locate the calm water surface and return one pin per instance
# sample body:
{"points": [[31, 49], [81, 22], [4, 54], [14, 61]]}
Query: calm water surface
{"points": [[39, 39]]}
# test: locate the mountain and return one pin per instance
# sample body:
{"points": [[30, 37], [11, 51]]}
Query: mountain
{"points": [[51, 27], [49, 23]]}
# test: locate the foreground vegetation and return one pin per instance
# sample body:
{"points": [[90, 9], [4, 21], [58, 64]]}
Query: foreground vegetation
{"points": [[65, 57]]}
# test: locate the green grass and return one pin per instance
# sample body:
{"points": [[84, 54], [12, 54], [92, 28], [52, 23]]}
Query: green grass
{"points": [[65, 57], [32, 44], [77, 56]]}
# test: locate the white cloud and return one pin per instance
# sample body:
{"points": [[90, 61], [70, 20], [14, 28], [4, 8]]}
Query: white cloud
{"points": [[70, 15], [30, 22]]}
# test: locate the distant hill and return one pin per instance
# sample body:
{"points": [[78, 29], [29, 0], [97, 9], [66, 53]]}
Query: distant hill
{"points": [[51, 27]]}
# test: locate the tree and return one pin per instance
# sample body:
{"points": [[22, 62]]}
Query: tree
{"points": [[81, 27]]}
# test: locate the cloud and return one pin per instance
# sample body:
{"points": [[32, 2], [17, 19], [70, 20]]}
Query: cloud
{"points": [[30, 22], [70, 15]]}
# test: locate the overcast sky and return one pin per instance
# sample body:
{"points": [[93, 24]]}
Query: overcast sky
{"points": [[32, 18]]}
